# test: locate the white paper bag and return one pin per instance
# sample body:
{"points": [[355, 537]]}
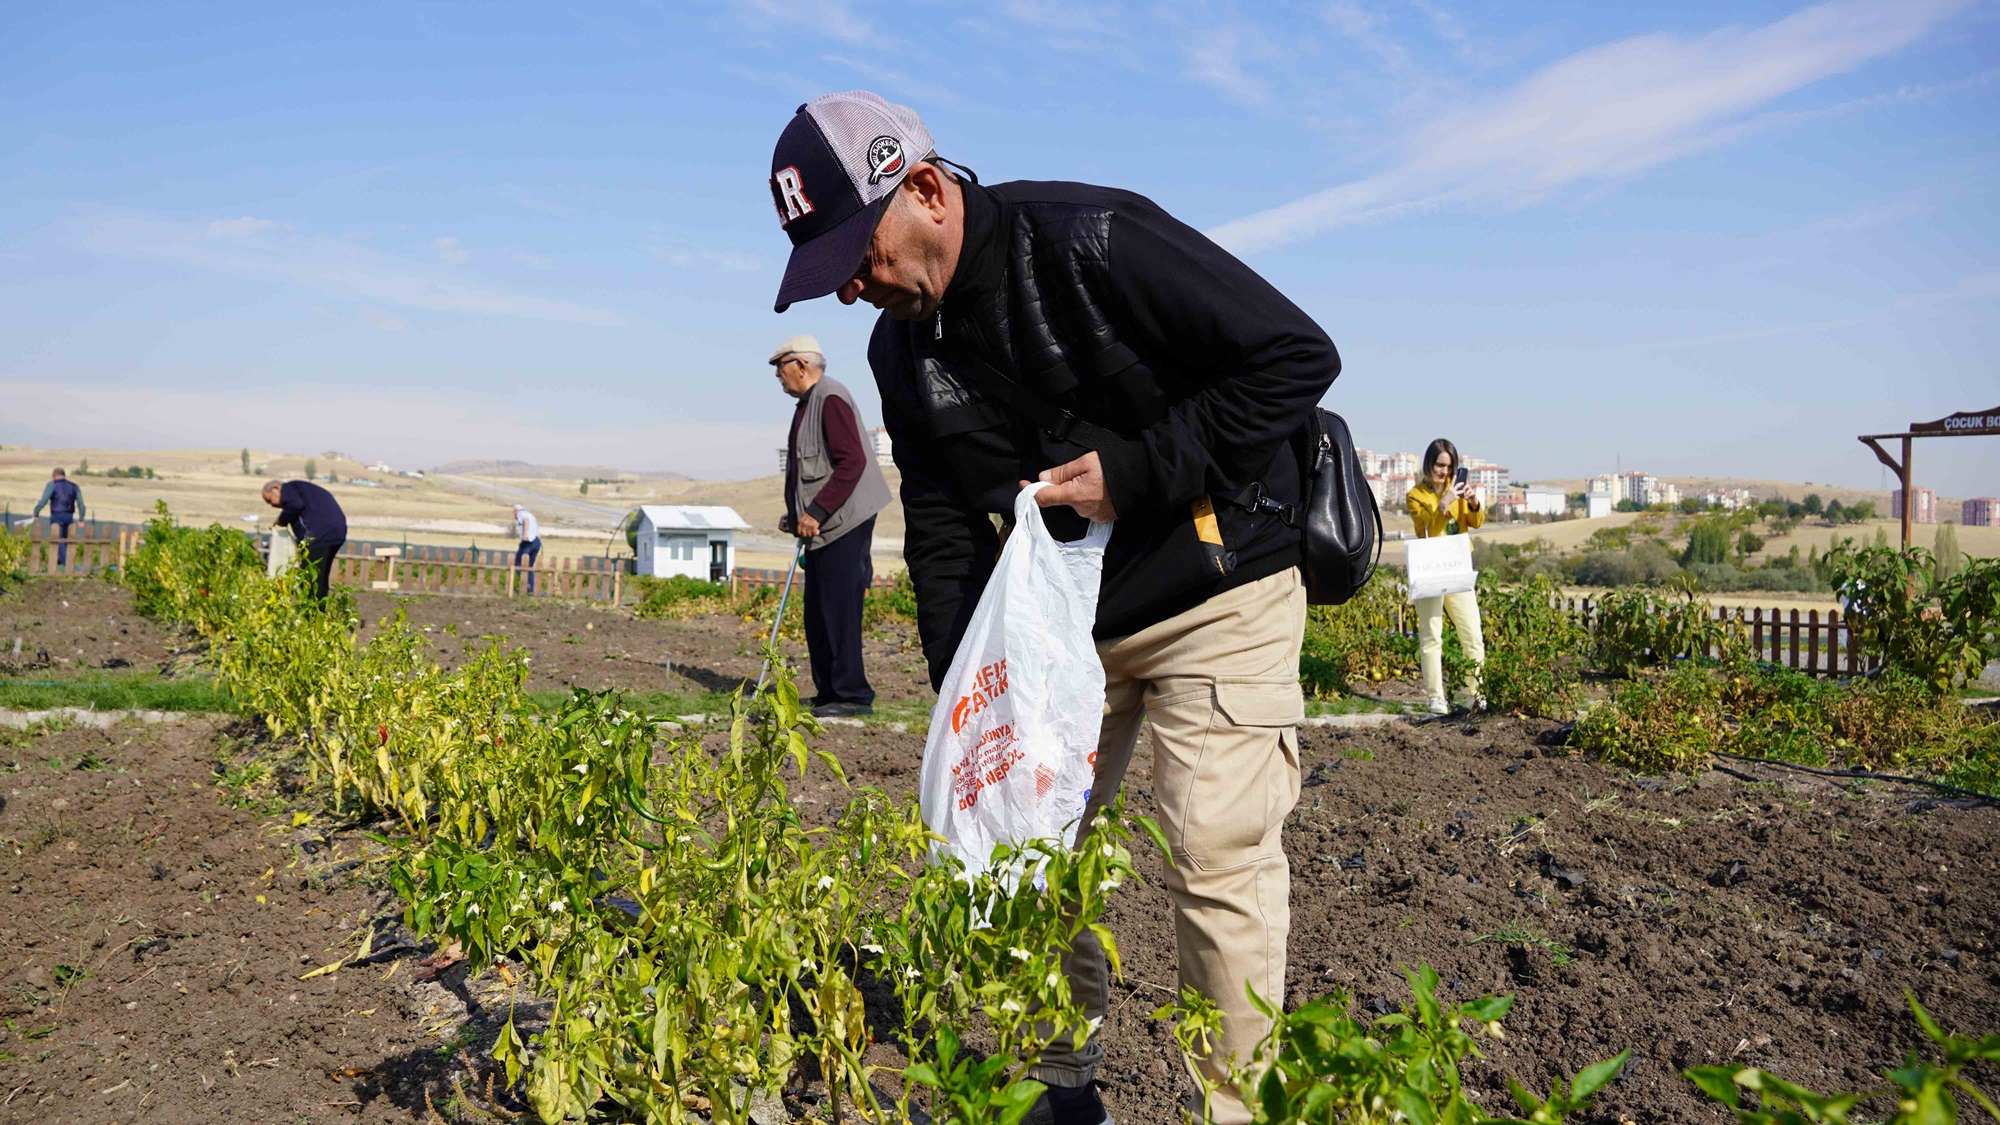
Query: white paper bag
{"points": [[1013, 739], [1441, 565]]}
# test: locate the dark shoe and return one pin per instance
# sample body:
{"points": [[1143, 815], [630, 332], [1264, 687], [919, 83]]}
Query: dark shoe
{"points": [[1068, 1105], [842, 709]]}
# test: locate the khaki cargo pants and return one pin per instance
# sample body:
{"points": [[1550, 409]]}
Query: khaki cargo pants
{"points": [[1220, 686]]}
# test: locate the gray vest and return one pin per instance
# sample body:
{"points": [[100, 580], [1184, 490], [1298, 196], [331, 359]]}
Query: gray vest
{"points": [[871, 492]]}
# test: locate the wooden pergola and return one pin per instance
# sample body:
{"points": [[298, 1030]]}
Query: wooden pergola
{"points": [[1966, 423]]}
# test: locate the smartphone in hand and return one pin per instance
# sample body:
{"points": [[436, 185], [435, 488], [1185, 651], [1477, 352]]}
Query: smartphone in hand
{"points": [[1459, 477]]}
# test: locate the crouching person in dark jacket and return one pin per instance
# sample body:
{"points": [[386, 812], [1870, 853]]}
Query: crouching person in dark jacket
{"points": [[1084, 336], [316, 522]]}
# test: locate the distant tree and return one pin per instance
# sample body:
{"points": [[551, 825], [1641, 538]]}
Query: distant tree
{"points": [[1690, 505], [1834, 512], [1795, 510], [149, 472], [1814, 505], [312, 469], [1771, 509], [246, 462], [1749, 543], [1946, 559], [1708, 543], [1863, 510], [83, 467], [1627, 506], [583, 488], [1577, 500], [1881, 537]]}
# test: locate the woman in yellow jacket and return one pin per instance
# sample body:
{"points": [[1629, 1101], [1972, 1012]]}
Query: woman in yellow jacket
{"points": [[1440, 506]]}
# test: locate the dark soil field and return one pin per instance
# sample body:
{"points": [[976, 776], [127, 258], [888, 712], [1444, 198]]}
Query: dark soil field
{"points": [[78, 626], [595, 647], [1759, 915]]}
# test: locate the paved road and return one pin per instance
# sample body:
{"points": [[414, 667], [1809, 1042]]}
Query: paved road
{"points": [[578, 511]]}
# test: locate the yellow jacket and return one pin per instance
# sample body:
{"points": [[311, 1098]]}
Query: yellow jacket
{"points": [[1423, 506]]}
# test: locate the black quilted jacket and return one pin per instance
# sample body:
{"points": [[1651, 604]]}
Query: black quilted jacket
{"points": [[1109, 307]]}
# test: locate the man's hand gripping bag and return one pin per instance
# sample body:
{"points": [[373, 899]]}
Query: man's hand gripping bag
{"points": [[1013, 740]]}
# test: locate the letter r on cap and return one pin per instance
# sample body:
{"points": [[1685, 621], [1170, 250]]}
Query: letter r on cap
{"points": [[790, 195]]}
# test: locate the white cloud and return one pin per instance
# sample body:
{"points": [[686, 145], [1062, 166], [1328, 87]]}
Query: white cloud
{"points": [[1223, 57], [404, 428], [896, 81], [729, 261], [450, 252], [1604, 112], [827, 17], [245, 227], [341, 269]]}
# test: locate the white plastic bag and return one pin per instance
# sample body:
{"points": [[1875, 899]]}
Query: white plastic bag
{"points": [[1441, 564], [282, 550], [1013, 740]]}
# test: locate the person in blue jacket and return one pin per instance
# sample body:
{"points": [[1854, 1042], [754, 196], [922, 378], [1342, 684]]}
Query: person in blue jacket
{"points": [[316, 522], [64, 500]]}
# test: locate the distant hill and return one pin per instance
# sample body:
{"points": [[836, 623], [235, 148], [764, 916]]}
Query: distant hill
{"points": [[526, 471]]}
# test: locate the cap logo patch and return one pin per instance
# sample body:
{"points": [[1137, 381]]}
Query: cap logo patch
{"points": [[790, 196], [885, 158]]}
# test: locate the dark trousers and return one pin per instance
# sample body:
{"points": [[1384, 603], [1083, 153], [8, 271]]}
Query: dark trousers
{"points": [[321, 553], [532, 548], [837, 578], [59, 527]]}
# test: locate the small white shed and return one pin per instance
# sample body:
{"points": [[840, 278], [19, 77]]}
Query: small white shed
{"points": [[690, 540]]}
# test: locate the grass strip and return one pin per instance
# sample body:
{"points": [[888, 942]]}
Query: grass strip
{"points": [[143, 691]]}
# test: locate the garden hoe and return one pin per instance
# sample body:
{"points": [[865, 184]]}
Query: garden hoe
{"points": [[771, 646]]}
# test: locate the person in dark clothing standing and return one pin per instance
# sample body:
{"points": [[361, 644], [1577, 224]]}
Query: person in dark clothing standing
{"points": [[316, 522], [1084, 336], [64, 501], [833, 490]]}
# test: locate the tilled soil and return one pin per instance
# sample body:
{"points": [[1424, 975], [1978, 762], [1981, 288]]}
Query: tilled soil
{"points": [[1772, 918], [152, 941], [72, 626], [596, 647], [1695, 921]]}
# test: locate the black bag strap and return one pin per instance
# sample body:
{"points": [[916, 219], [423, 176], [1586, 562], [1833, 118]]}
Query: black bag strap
{"points": [[1058, 422], [1070, 428]]}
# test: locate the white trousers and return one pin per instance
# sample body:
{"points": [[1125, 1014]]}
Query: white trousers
{"points": [[1464, 610]]}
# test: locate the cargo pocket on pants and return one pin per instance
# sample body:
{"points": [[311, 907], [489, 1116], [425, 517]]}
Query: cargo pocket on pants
{"points": [[1248, 777]]}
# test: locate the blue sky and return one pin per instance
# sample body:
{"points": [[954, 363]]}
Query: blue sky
{"points": [[1690, 238]]}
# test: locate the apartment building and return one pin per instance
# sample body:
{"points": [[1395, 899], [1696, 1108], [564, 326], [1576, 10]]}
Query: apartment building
{"points": [[1923, 509], [1980, 511]]}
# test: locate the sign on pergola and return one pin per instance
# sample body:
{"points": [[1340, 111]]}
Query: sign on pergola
{"points": [[1966, 423]]}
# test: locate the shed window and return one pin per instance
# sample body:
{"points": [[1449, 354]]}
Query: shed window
{"points": [[685, 548]]}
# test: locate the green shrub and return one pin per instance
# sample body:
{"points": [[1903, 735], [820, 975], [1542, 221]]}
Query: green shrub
{"points": [[895, 606], [1535, 650], [13, 556], [1638, 628], [1938, 630], [1359, 642], [1670, 723], [191, 574], [679, 597]]}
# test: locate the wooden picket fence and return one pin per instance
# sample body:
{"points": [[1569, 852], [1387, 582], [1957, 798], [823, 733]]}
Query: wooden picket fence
{"points": [[385, 569], [747, 579], [89, 548]]}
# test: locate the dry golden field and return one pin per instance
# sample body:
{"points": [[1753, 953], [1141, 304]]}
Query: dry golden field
{"points": [[203, 485]]}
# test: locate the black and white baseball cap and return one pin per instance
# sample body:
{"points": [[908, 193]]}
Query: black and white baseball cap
{"points": [[837, 166]]}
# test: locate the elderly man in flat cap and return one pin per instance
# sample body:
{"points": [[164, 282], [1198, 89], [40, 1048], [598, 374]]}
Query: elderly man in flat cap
{"points": [[833, 489]]}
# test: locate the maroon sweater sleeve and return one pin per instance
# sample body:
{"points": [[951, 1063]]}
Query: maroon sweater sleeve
{"points": [[844, 448]]}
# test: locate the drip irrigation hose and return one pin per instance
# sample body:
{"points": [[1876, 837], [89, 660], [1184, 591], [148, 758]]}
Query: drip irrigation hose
{"points": [[1865, 775]]}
